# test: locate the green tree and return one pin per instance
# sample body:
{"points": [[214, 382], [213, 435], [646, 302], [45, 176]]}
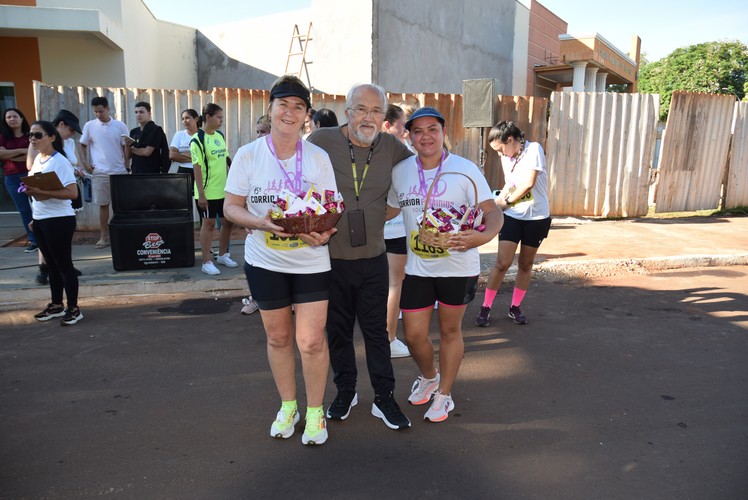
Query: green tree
{"points": [[712, 67]]}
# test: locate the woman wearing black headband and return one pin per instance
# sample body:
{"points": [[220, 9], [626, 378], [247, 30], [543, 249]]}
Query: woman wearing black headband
{"points": [[284, 270]]}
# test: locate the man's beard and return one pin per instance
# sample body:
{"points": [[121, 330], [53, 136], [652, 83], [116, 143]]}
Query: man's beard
{"points": [[363, 138]]}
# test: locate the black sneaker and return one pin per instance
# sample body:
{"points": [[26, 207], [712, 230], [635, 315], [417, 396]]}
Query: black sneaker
{"points": [[342, 404], [517, 315], [71, 317], [386, 408], [52, 311], [31, 247], [483, 315]]}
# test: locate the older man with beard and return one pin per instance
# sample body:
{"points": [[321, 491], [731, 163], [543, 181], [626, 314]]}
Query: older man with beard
{"points": [[362, 159]]}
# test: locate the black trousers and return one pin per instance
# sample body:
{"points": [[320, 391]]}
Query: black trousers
{"points": [[358, 290], [55, 239]]}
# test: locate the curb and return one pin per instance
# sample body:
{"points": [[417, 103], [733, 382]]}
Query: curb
{"points": [[612, 267]]}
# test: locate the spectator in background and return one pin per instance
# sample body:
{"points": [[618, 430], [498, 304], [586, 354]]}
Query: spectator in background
{"points": [[210, 161], [145, 143], [527, 215], [179, 149], [396, 244], [324, 118], [308, 123], [14, 144], [263, 126], [54, 223], [103, 139], [66, 124]]}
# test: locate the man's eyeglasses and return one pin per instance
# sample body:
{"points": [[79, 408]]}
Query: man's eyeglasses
{"points": [[36, 135], [362, 111]]}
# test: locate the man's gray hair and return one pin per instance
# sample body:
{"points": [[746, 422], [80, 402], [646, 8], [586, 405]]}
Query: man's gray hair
{"points": [[367, 86]]}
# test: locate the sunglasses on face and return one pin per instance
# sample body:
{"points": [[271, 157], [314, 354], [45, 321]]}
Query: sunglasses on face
{"points": [[36, 135]]}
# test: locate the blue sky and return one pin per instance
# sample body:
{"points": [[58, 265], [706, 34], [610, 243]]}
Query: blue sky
{"points": [[663, 25]]}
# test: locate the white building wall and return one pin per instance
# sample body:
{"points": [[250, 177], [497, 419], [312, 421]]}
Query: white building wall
{"points": [[146, 52]]}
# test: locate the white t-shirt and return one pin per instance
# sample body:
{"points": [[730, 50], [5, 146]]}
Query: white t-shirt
{"points": [[394, 228], [69, 147], [534, 205], [104, 140], [452, 190], [47, 209], [256, 174], [181, 141]]}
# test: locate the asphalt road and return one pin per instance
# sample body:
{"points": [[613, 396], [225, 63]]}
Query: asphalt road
{"points": [[622, 387]]}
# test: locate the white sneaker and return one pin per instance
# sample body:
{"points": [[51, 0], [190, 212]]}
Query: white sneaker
{"points": [[225, 259], [210, 268], [250, 306], [440, 408], [283, 426], [422, 390], [398, 349]]}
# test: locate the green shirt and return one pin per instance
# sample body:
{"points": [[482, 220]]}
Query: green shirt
{"points": [[214, 176]]}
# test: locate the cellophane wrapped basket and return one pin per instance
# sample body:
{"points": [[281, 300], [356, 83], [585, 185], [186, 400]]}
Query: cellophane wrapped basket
{"points": [[308, 223], [430, 235]]}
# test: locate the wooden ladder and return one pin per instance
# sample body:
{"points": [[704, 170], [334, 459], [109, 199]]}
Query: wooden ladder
{"points": [[303, 42]]}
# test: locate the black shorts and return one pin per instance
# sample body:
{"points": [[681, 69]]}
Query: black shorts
{"points": [[191, 173], [397, 245], [420, 292], [215, 208], [273, 290], [528, 232]]}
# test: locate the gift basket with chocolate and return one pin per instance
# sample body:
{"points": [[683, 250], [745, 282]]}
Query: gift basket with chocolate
{"points": [[436, 225], [307, 212]]}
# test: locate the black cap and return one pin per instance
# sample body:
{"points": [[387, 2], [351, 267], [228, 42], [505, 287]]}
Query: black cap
{"points": [[69, 118], [291, 89]]}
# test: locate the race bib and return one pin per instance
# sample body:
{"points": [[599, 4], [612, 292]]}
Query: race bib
{"points": [[527, 198], [277, 243], [425, 251]]}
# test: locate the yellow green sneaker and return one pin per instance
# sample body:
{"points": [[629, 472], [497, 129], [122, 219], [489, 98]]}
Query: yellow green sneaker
{"points": [[315, 431], [283, 427]]}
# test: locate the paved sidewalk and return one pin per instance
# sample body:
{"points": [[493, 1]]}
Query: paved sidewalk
{"points": [[575, 248]]}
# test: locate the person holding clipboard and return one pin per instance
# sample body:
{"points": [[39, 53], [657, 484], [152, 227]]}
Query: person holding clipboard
{"points": [[53, 220]]}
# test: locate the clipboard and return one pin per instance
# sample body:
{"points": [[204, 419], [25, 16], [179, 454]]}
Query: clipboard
{"points": [[47, 181]]}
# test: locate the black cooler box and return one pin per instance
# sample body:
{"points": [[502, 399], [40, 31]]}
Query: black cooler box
{"points": [[152, 225]]}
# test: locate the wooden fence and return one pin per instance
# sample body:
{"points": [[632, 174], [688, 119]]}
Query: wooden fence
{"points": [[695, 149], [736, 183], [243, 107], [599, 153]]}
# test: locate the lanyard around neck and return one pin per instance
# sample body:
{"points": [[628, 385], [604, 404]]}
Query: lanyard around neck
{"points": [[356, 186], [422, 178], [296, 183]]}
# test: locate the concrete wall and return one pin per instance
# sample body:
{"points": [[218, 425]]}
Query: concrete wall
{"points": [[250, 53], [431, 45], [405, 46], [521, 47], [344, 45]]}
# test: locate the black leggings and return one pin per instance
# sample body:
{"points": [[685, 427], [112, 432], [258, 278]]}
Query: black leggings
{"points": [[55, 239]]}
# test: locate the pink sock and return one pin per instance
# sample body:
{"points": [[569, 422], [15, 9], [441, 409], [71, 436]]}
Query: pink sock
{"points": [[490, 295], [517, 296]]}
